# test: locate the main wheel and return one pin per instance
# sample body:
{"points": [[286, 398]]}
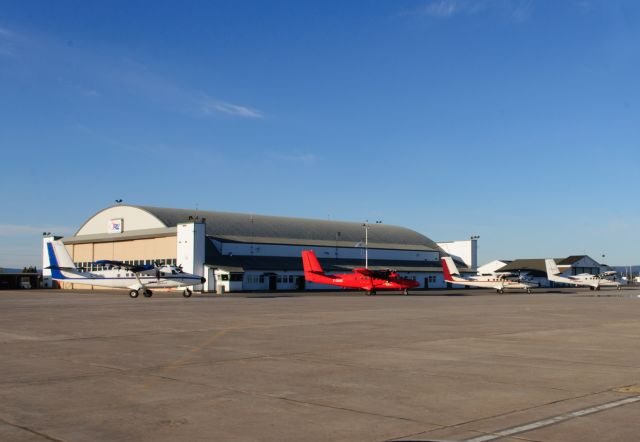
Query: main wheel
{"points": [[133, 294], [592, 288], [619, 288], [500, 291], [148, 293], [598, 288], [528, 290], [186, 293], [406, 292]]}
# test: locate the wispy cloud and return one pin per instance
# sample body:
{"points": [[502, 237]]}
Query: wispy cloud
{"points": [[306, 158], [7, 41], [22, 230], [516, 11], [141, 80], [107, 72], [209, 106]]}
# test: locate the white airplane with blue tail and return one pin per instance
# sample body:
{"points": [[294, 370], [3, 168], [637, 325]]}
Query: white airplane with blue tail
{"points": [[139, 279]]}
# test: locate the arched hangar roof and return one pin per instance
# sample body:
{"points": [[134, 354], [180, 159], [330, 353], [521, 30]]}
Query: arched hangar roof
{"points": [[241, 227]]}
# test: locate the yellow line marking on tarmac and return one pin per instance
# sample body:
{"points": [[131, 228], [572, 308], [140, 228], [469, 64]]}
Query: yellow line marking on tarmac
{"points": [[635, 389], [154, 379]]}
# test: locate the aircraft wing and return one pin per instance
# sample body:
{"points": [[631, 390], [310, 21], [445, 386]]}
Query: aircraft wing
{"points": [[364, 272], [607, 274], [379, 274]]}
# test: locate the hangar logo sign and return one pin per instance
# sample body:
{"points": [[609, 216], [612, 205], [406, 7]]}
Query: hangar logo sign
{"points": [[114, 226]]}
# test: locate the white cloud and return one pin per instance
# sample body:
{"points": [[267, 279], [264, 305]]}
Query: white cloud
{"points": [[516, 11], [5, 33], [303, 158], [7, 41], [22, 230], [209, 106], [442, 8]]}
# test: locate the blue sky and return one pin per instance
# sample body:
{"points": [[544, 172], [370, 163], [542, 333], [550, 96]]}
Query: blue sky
{"points": [[517, 120]]}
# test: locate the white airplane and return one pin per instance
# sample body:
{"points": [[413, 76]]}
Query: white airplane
{"points": [[594, 282], [498, 282], [137, 278]]}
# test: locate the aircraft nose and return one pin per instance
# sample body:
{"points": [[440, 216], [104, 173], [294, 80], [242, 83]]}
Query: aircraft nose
{"points": [[203, 280]]}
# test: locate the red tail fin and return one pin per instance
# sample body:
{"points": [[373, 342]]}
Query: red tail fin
{"points": [[310, 262], [446, 271]]}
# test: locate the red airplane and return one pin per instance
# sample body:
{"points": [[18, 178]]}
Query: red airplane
{"points": [[362, 278]]}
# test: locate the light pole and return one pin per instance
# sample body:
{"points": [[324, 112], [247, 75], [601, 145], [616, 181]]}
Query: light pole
{"points": [[366, 242]]}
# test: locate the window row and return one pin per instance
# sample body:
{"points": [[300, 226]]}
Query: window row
{"points": [[92, 266]]}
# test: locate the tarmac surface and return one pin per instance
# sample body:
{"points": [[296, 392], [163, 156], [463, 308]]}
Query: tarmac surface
{"points": [[457, 365]]}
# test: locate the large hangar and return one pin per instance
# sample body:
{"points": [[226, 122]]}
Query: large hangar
{"points": [[240, 252]]}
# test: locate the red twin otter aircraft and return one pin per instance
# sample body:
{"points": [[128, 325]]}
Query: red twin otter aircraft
{"points": [[362, 278]]}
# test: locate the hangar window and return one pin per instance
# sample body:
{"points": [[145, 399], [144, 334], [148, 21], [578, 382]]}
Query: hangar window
{"points": [[261, 279], [236, 276], [223, 277], [291, 279]]}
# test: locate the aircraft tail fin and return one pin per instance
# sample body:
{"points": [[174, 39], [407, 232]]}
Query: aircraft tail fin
{"points": [[552, 267], [311, 263], [449, 269], [59, 259]]}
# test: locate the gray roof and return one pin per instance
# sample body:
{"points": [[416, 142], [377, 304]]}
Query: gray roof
{"points": [[242, 227], [572, 259]]}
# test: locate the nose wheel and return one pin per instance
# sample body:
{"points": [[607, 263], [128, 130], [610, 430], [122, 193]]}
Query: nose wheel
{"points": [[405, 292], [186, 293], [148, 293]]}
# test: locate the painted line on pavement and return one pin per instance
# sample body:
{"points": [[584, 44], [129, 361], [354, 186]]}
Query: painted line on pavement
{"points": [[553, 420]]}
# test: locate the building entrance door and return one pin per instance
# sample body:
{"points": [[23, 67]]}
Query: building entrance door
{"points": [[273, 282]]}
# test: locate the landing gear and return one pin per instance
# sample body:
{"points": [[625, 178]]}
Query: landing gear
{"points": [[148, 293], [186, 293], [371, 292], [405, 292], [528, 290], [619, 287], [598, 288], [592, 288], [500, 291], [133, 294]]}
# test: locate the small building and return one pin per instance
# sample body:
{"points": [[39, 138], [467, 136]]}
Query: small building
{"points": [[11, 279]]}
